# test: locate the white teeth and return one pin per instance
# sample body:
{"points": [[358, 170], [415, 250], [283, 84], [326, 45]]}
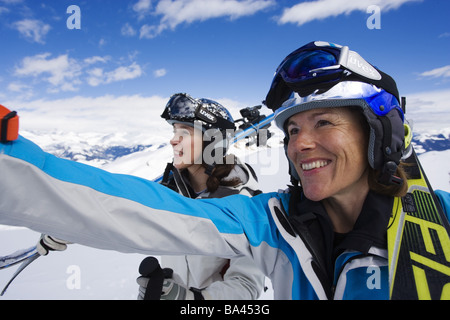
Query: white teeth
{"points": [[314, 165]]}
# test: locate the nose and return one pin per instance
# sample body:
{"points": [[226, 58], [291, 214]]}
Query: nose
{"points": [[176, 139], [302, 141]]}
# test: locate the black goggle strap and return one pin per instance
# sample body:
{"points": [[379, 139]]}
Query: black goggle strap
{"points": [[208, 117]]}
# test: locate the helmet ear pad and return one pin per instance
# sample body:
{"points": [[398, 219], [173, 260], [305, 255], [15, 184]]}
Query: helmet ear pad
{"points": [[386, 138]]}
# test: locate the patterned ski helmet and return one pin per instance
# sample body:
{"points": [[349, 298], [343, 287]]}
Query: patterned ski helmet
{"points": [[216, 123]]}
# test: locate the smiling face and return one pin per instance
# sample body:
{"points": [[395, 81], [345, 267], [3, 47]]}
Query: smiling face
{"points": [[187, 146], [328, 148]]}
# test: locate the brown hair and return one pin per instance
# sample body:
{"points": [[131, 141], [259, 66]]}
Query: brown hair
{"points": [[389, 190], [220, 172]]}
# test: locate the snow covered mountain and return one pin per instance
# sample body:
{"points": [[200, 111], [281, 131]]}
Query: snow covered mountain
{"points": [[85, 273], [437, 141]]}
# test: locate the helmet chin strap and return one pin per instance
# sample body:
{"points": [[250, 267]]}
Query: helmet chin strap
{"points": [[209, 169], [295, 179], [387, 176]]}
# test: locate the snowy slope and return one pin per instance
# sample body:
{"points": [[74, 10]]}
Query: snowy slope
{"points": [[86, 273]]}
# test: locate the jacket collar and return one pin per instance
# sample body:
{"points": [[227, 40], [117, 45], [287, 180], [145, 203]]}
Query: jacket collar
{"points": [[369, 229], [310, 221]]}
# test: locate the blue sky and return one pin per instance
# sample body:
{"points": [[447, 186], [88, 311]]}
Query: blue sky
{"points": [[226, 50]]}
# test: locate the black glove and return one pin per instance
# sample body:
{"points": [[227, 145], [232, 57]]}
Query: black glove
{"points": [[173, 288]]}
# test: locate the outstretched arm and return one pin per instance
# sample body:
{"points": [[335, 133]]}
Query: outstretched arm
{"points": [[89, 206]]}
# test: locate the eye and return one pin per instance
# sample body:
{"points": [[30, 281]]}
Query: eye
{"points": [[293, 131], [182, 132], [322, 123], [185, 132]]}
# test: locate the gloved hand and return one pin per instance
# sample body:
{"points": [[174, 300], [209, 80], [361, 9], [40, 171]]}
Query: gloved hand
{"points": [[9, 125], [173, 288], [48, 243]]}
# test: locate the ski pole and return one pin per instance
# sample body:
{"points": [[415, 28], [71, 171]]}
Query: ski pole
{"points": [[151, 269]]}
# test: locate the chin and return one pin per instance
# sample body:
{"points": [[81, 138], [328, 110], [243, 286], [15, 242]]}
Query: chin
{"points": [[180, 166], [313, 195]]}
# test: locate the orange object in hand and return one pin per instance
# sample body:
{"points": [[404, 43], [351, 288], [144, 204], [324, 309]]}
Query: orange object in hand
{"points": [[9, 125]]}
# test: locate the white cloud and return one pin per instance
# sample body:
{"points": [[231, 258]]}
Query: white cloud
{"points": [[95, 59], [18, 87], [25, 91], [97, 76], [443, 72], [177, 12], [142, 5], [11, 1], [63, 73], [105, 114], [127, 30], [142, 8], [124, 73], [33, 30], [149, 32], [305, 12], [429, 110], [101, 42], [159, 73]]}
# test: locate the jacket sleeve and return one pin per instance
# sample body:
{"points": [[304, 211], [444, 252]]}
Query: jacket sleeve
{"points": [[243, 280], [92, 207], [444, 199]]}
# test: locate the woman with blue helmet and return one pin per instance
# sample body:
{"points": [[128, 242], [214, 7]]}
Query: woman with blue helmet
{"points": [[327, 237]]}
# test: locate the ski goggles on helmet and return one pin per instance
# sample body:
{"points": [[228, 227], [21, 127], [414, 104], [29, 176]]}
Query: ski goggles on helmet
{"points": [[183, 108], [317, 67], [344, 94]]}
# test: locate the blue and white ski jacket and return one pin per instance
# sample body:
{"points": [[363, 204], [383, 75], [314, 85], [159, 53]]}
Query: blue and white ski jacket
{"points": [[92, 207]]}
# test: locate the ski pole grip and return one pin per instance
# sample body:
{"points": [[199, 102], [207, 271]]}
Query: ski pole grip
{"points": [[151, 269], [9, 125]]}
